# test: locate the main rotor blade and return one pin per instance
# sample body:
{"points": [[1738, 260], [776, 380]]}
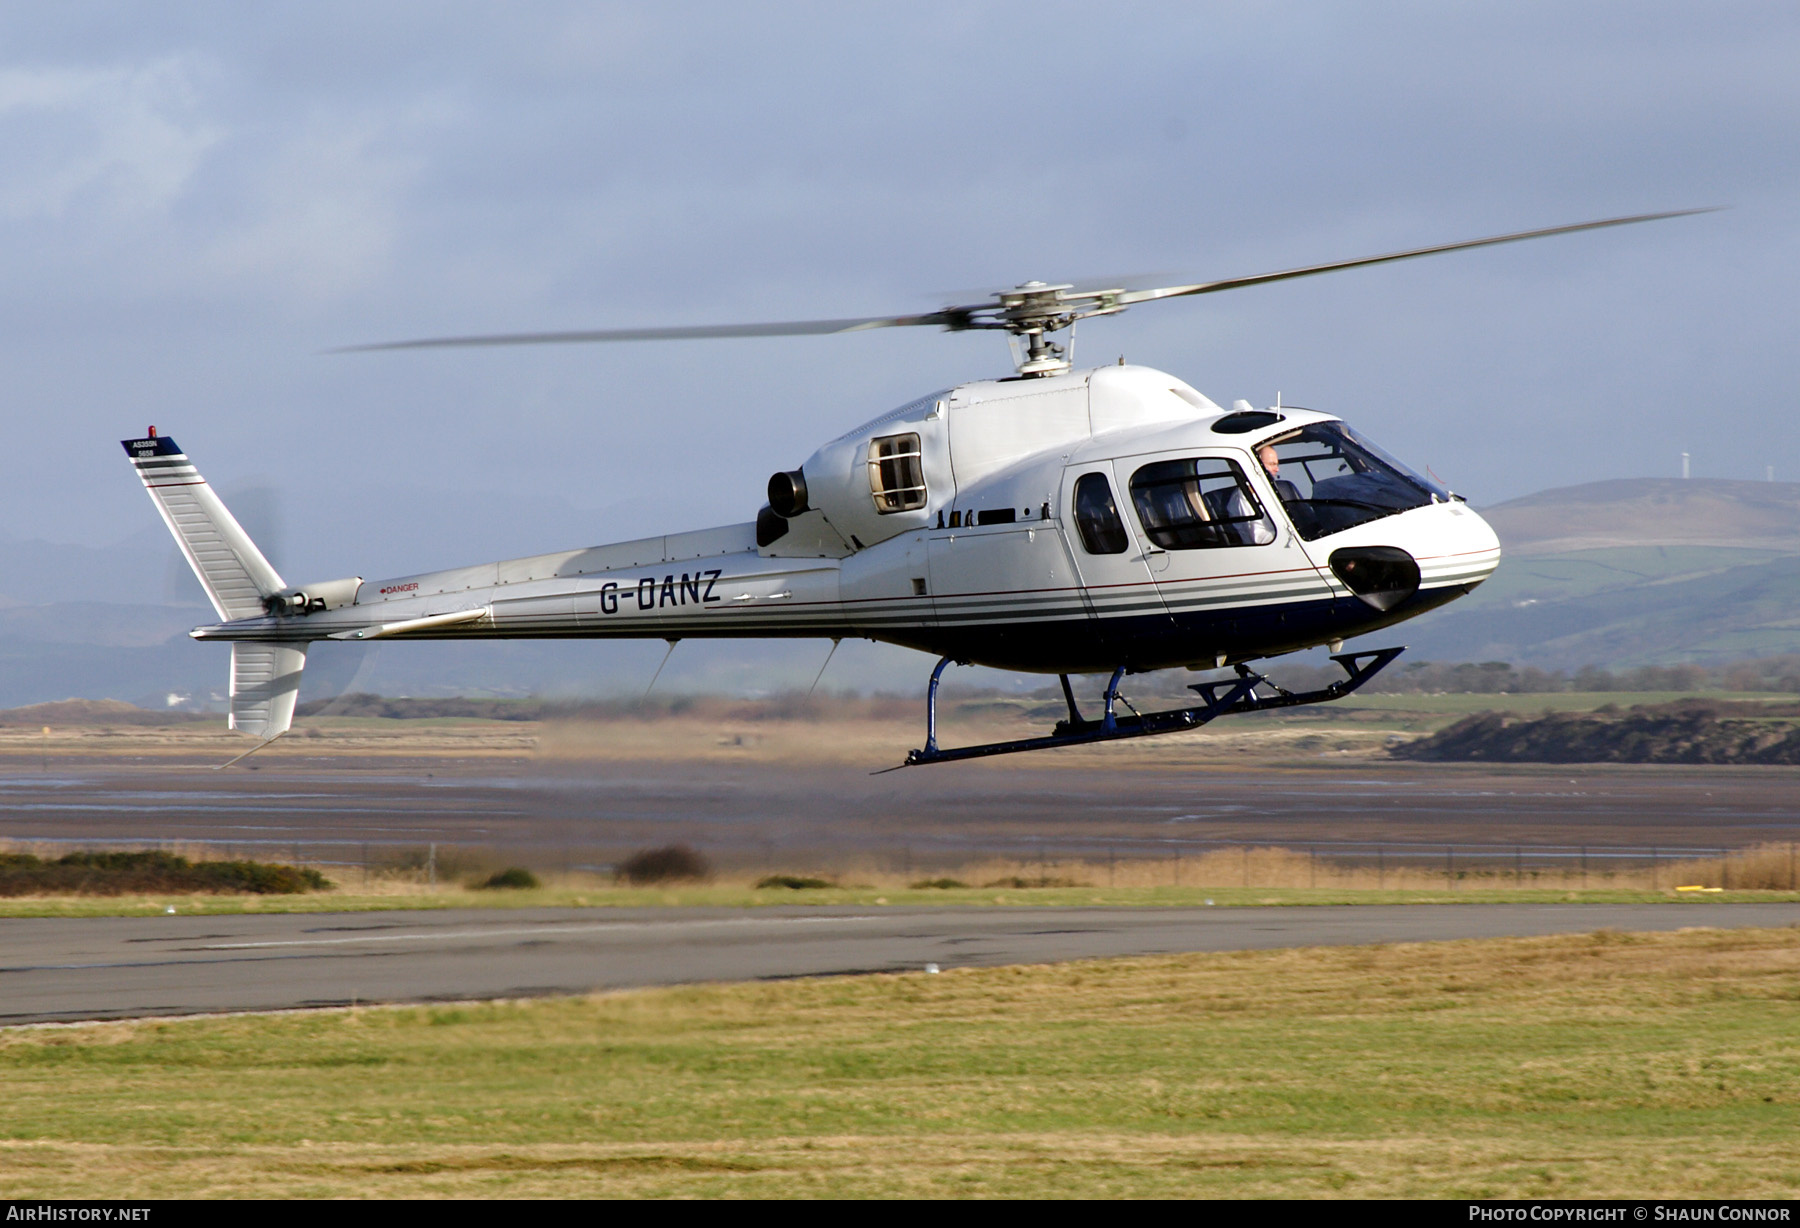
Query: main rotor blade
{"points": [[1060, 305], [792, 328], [1233, 283]]}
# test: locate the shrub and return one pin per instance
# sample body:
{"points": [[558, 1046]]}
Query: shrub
{"points": [[670, 863], [511, 878], [938, 884], [1042, 881], [793, 882], [88, 873]]}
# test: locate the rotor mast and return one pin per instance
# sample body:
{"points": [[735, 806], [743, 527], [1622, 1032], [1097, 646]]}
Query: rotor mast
{"points": [[1033, 310]]}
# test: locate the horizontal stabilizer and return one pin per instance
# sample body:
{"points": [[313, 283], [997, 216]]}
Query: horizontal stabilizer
{"points": [[231, 569], [265, 682]]}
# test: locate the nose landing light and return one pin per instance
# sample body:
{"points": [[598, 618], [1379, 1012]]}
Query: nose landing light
{"points": [[1383, 576]]}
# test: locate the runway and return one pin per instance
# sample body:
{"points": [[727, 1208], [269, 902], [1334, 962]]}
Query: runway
{"points": [[117, 967]]}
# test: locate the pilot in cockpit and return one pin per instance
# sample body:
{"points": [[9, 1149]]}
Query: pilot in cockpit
{"points": [[1286, 491]]}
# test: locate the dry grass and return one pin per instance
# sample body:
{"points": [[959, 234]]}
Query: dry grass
{"points": [[213, 744], [875, 738], [1608, 1065], [1225, 876], [1766, 867]]}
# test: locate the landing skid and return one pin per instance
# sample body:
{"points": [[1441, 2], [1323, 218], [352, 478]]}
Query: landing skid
{"points": [[1221, 699]]}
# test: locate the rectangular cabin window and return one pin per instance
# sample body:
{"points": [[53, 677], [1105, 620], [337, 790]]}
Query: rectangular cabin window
{"points": [[1194, 504], [896, 473]]}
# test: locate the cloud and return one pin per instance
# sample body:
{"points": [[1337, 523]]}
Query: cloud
{"points": [[198, 198], [116, 141], [317, 212]]}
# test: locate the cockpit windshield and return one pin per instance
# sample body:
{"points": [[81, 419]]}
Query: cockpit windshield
{"points": [[1329, 480]]}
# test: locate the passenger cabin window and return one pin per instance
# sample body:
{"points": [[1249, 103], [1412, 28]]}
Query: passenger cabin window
{"points": [[1199, 503], [1329, 480], [1097, 516], [896, 474]]}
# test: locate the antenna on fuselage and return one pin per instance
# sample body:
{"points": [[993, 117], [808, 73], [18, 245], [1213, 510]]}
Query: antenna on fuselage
{"points": [[835, 641], [674, 640]]}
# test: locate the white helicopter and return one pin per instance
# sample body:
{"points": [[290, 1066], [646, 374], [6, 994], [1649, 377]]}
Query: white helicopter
{"points": [[1056, 521]]}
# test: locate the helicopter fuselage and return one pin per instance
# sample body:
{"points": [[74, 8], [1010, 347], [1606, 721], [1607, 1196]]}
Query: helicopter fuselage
{"points": [[1076, 523], [1058, 522]]}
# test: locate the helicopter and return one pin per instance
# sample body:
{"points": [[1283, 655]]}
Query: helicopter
{"points": [[1111, 520]]}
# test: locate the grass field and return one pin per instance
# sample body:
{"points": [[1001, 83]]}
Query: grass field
{"points": [[1601, 1065]]}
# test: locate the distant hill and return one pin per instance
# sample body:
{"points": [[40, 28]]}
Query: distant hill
{"points": [[1651, 512], [1646, 571], [67, 712]]}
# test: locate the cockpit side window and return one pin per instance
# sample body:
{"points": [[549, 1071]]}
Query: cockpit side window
{"points": [[896, 473], [1329, 480], [1097, 516], [1199, 503]]}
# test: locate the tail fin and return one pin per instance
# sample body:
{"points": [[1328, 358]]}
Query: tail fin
{"points": [[265, 682], [265, 678], [231, 569]]}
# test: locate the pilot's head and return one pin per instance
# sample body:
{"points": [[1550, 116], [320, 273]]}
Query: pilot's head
{"points": [[1270, 461]]}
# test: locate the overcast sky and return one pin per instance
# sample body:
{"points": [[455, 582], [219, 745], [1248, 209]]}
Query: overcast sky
{"points": [[196, 200]]}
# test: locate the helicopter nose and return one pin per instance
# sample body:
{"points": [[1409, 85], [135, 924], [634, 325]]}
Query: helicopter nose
{"points": [[1409, 564], [1457, 550]]}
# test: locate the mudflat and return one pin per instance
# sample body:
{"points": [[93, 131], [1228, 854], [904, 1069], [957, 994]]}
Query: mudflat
{"points": [[749, 806]]}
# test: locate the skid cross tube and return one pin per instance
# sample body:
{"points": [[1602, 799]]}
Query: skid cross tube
{"points": [[1226, 698]]}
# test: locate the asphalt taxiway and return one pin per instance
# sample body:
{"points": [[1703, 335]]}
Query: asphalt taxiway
{"points": [[117, 967]]}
